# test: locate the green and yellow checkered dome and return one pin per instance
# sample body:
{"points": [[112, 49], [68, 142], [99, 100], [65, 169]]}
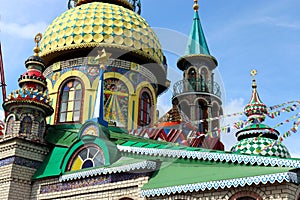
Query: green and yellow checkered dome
{"points": [[101, 24]]}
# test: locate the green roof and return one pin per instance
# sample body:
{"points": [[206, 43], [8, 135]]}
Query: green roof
{"points": [[197, 43], [182, 172], [51, 166]]}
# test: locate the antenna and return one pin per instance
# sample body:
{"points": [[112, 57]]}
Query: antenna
{"points": [[2, 78]]}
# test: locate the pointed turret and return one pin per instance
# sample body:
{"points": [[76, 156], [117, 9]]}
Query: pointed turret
{"points": [[257, 138], [198, 95], [197, 43], [28, 106]]}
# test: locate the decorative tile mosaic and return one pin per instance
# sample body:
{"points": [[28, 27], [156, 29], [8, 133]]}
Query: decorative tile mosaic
{"points": [[90, 181]]}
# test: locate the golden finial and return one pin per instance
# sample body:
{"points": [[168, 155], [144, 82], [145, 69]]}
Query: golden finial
{"points": [[103, 58], [253, 73], [37, 40], [195, 6]]}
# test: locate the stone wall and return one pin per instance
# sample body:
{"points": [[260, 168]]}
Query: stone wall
{"points": [[19, 160]]}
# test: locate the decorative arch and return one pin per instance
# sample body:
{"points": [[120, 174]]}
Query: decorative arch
{"points": [[106, 149], [42, 128], [192, 78], [142, 88], [145, 110], [87, 156], [26, 124], [200, 113], [204, 79], [10, 123], [70, 98], [246, 195]]}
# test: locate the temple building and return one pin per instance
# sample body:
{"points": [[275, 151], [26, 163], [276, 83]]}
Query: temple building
{"points": [[84, 123]]}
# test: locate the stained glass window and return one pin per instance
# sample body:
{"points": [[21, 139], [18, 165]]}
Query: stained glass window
{"points": [[26, 125], [116, 101], [70, 101], [87, 157], [145, 109]]}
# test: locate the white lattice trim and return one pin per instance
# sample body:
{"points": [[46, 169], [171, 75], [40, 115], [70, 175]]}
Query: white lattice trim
{"points": [[228, 157], [150, 165], [271, 178]]}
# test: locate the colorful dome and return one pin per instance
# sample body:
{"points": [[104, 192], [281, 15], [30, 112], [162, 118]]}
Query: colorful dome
{"points": [[100, 24], [261, 146], [255, 110]]}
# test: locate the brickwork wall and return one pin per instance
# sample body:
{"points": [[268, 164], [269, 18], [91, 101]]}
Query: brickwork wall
{"points": [[109, 191], [283, 191], [19, 160]]}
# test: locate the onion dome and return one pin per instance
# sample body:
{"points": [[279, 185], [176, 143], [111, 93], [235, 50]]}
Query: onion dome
{"points": [[33, 85], [255, 109], [257, 138], [102, 25], [261, 146]]}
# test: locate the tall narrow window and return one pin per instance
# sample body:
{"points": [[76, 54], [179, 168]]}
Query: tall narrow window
{"points": [[145, 109], [70, 101], [26, 125], [10, 125]]}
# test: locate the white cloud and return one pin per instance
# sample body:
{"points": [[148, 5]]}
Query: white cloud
{"points": [[234, 106], [26, 31]]}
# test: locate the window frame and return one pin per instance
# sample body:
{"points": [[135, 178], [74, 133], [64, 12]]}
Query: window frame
{"points": [[60, 98], [145, 110]]}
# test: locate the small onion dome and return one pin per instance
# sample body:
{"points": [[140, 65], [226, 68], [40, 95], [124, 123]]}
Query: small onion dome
{"points": [[255, 110], [35, 61], [32, 77], [100, 25], [255, 130], [261, 146], [28, 97]]}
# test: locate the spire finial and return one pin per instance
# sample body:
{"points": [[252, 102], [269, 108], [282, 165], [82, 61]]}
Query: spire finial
{"points": [[253, 73], [196, 6], [37, 40]]}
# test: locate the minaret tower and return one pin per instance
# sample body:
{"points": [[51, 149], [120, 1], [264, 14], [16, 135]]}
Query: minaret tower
{"points": [[23, 148], [198, 95]]}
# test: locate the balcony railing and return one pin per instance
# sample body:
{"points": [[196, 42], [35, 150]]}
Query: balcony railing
{"points": [[197, 85]]}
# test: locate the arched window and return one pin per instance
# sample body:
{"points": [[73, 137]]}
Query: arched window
{"points": [[200, 114], [145, 109], [204, 80], [116, 101], [87, 157], [245, 195], [70, 101], [10, 125], [26, 125], [192, 79], [42, 128], [246, 198]]}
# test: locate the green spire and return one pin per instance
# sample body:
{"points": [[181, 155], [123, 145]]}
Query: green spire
{"points": [[197, 42]]}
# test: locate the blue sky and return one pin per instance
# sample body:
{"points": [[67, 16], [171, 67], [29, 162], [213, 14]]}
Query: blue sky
{"points": [[242, 35]]}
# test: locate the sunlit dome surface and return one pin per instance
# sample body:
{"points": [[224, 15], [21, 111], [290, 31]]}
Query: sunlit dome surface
{"points": [[101, 24]]}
